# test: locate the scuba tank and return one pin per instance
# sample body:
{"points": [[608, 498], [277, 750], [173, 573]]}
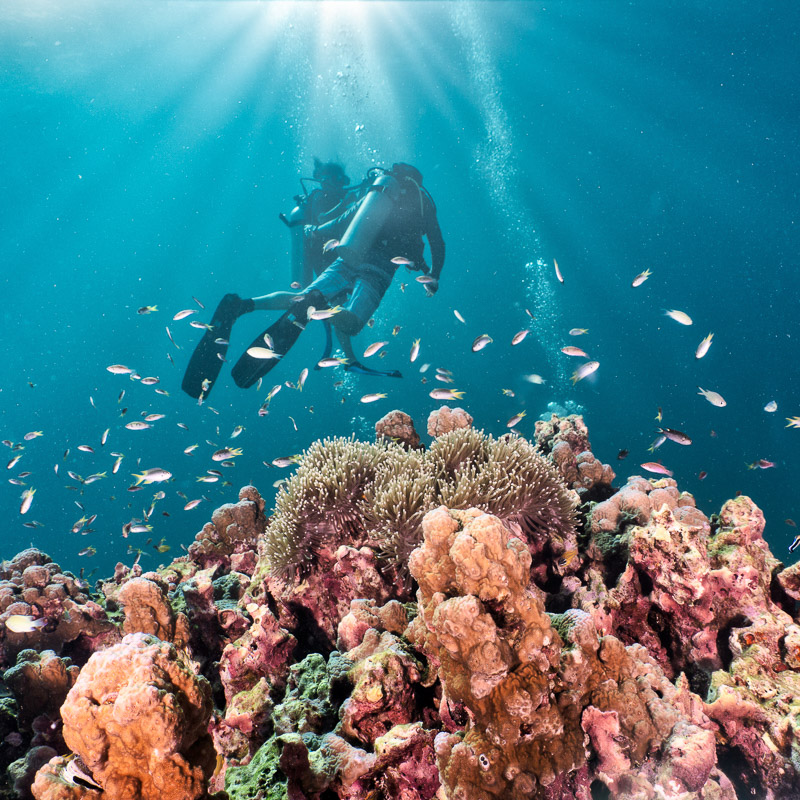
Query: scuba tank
{"points": [[372, 213], [301, 271]]}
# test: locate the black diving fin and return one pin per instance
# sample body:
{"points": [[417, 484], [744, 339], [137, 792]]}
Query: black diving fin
{"points": [[206, 361], [282, 334], [360, 369]]}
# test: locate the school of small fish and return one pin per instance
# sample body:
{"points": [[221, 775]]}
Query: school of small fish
{"points": [[225, 456]]}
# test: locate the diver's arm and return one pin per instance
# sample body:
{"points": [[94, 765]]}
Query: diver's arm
{"points": [[336, 227], [435, 239]]}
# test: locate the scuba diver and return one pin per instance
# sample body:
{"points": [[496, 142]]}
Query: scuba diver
{"points": [[381, 229], [314, 208]]}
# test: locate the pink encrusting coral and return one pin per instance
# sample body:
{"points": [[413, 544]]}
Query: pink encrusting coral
{"points": [[482, 618]]}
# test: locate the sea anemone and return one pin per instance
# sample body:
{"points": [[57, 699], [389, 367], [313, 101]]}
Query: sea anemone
{"points": [[321, 502], [352, 492], [394, 505]]}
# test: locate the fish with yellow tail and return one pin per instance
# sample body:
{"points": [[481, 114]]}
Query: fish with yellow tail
{"points": [[27, 499], [641, 278], [446, 394], [515, 420], [702, 348], [583, 370], [154, 475]]}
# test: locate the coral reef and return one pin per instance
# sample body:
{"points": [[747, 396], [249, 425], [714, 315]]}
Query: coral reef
{"points": [[346, 531], [32, 584], [137, 717], [485, 617], [444, 420], [566, 441], [535, 683], [399, 427]]}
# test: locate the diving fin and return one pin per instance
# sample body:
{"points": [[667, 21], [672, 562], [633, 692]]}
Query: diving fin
{"points": [[206, 361], [283, 334], [360, 369]]}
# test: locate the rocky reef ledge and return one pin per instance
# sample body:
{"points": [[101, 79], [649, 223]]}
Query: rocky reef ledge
{"points": [[479, 618]]}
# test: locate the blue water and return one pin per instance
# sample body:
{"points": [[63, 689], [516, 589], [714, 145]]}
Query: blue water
{"points": [[148, 148]]}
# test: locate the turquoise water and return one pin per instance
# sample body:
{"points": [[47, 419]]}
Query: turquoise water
{"points": [[148, 148]]}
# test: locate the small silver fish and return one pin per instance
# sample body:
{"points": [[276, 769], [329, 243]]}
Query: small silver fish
{"points": [[585, 369], [262, 352], [558, 272], [285, 461], [371, 398], [27, 499], [459, 317], [515, 419], [373, 348], [187, 312], [415, 350], [446, 394], [714, 398], [702, 348], [519, 336], [571, 350], [24, 623], [679, 316], [225, 453], [322, 313], [481, 342], [137, 425], [154, 475], [641, 278], [331, 362]]}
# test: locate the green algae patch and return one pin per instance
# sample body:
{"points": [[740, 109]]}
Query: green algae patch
{"points": [[261, 778]]}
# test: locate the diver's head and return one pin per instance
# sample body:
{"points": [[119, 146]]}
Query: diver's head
{"points": [[330, 175], [401, 170]]}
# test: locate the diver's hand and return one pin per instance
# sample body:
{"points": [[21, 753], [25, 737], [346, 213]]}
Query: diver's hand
{"points": [[310, 231], [431, 287]]}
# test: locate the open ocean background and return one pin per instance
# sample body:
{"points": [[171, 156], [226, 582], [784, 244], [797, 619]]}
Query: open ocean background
{"points": [[148, 147]]}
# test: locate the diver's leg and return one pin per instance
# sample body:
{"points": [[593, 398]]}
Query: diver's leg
{"points": [[364, 300], [343, 327], [277, 301]]}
